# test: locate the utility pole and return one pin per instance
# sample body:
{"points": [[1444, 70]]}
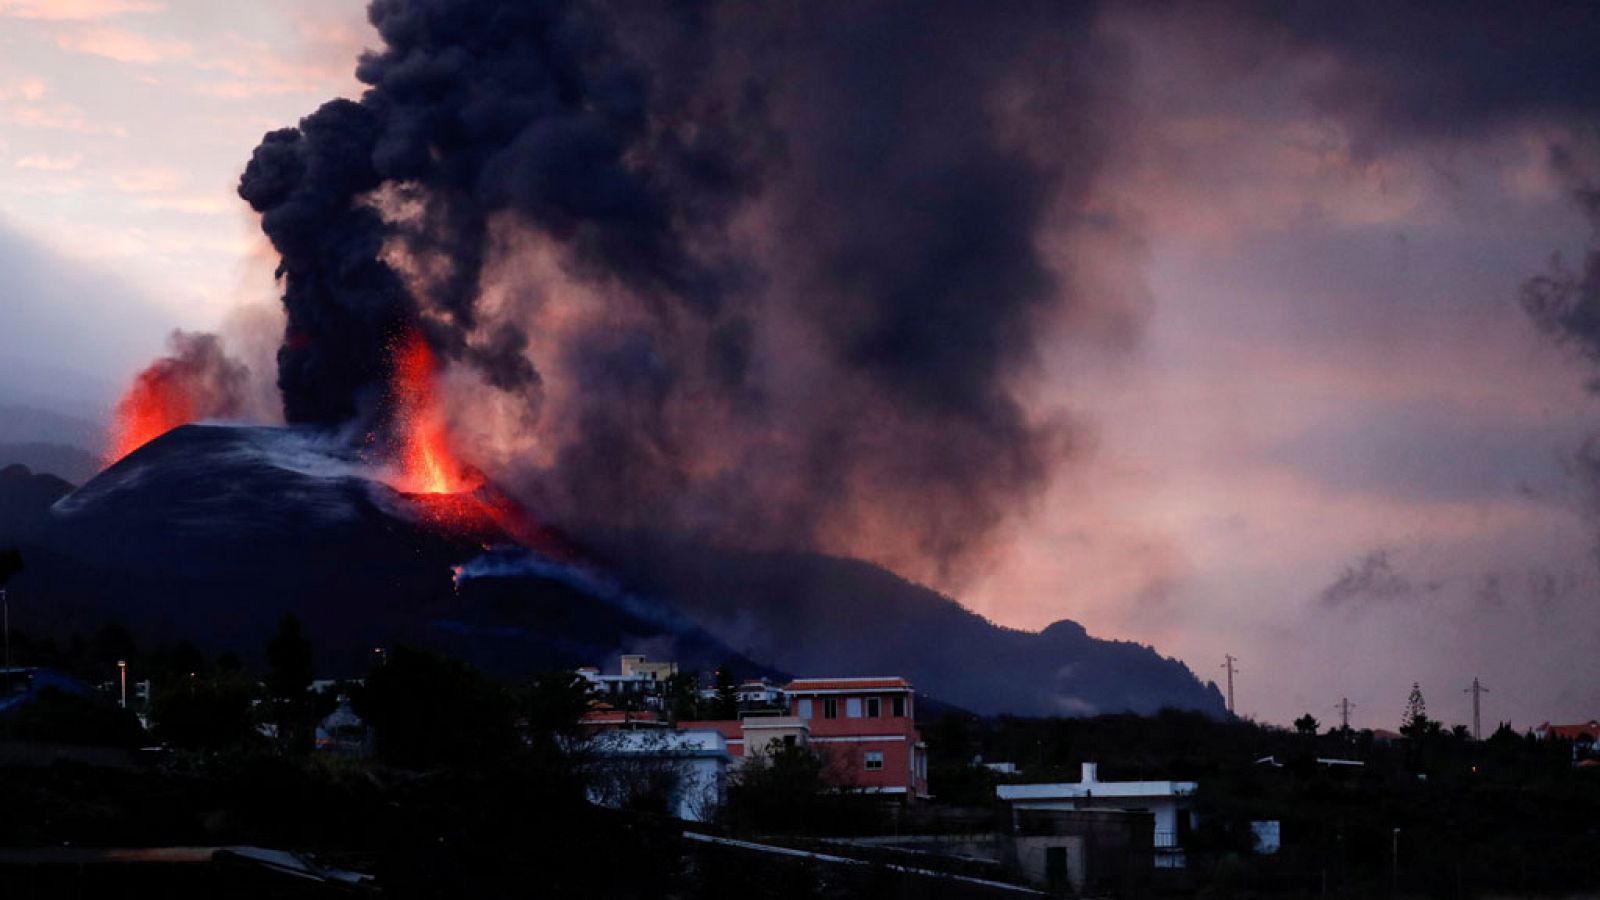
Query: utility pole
{"points": [[1476, 691], [1344, 708], [1229, 660], [5, 603]]}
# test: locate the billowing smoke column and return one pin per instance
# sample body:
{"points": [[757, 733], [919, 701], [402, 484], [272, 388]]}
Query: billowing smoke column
{"points": [[196, 380], [799, 281], [475, 107]]}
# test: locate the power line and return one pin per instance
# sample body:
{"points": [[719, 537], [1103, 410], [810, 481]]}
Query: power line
{"points": [[1344, 706], [1477, 690], [1230, 659]]}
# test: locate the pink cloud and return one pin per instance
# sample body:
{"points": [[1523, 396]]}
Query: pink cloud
{"points": [[192, 204], [57, 117], [148, 180], [43, 163], [30, 89], [123, 46], [259, 69], [75, 10]]}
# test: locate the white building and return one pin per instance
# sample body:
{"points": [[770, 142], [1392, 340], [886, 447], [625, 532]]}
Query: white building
{"points": [[641, 681], [1167, 801], [684, 773]]}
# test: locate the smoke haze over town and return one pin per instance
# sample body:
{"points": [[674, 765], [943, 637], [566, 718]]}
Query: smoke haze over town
{"points": [[1221, 331]]}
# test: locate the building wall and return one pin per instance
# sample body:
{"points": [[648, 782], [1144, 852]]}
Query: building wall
{"points": [[634, 664], [1032, 855], [847, 740], [1164, 809], [762, 731]]}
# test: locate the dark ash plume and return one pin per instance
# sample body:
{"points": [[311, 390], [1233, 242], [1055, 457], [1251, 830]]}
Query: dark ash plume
{"points": [[1566, 304], [474, 108], [808, 242]]}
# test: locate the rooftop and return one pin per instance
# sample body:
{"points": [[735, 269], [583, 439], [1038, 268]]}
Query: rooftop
{"points": [[842, 685], [1091, 786]]}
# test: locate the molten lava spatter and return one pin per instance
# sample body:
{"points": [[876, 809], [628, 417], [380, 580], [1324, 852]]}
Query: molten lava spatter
{"points": [[427, 466], [445, 493], [195, 380], [155, 403]]}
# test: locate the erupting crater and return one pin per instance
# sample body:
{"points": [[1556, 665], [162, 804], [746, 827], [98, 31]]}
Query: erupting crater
{"points": [[446, 493], [426, 462]]}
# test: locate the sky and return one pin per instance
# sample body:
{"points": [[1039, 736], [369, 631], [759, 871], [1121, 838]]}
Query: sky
{"points": [[1310, 423]]}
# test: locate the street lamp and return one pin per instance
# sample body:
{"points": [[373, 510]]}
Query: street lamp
{"points": [[122, 678], [1394, 871], [5, 603]]}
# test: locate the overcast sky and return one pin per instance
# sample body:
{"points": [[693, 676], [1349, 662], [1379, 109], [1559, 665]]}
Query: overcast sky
{"points": [[1333, 443]]}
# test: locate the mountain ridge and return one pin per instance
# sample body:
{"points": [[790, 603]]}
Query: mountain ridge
{"points": [[213, 532]]}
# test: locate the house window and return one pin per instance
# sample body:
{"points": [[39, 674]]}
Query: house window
{"points": [[802, 707], [900, 707], [852, 707], [874, 707], [830, 707], [874, 760]]}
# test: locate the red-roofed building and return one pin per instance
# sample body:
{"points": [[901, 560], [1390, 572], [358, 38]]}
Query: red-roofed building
{"points": [[1585, 731], [865, 726], [603, 717], [1583, 737], [868, 727]]}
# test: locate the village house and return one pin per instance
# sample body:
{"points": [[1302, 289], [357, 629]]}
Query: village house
{"points": [[1167, 801], [640, 682], [755, 695], [1582, 736], [864, 727], [684, 773]]}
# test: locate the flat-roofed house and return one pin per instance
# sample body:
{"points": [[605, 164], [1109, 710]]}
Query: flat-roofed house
{"points": [[867, 729], [1167, 801]]}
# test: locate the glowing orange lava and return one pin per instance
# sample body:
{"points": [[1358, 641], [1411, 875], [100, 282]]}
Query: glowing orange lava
{"points": [[448, 495], [155, 403], [427, 465]]}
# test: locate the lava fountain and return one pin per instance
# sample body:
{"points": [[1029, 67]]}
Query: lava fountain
{"points": [[195, 381], [153, 406], [445, 492], [427, 465]]}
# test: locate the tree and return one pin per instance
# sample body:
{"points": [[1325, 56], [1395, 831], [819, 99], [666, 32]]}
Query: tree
{"points": [[200, 713], [427, 711], [683, 696], [799, 789], [1306, 725], [10, 564], [553, 707], [293, 707], [642, 776], [727, 688], [777, 790], [1415, 722]]}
